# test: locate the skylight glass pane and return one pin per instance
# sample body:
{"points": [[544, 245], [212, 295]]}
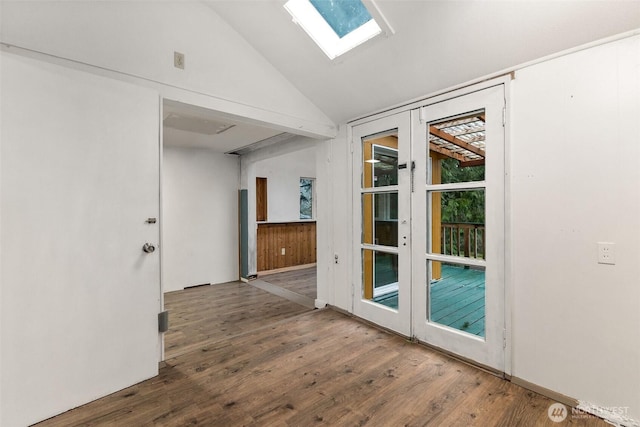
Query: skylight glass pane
{"points": [[343, 16]]}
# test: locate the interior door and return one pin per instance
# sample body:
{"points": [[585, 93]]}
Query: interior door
{"points": [[382, 173], [80, 178], [458, 226]]}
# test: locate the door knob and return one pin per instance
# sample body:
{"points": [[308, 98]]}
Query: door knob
{"points": [[148, 248]]}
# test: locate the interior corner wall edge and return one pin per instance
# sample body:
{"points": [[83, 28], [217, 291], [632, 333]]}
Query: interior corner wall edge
{"points": [[123, 37], [1, 281], [200, 217], [575, 171]]}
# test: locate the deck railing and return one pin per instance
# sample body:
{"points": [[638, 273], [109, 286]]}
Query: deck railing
{"points": [[463, 239]]}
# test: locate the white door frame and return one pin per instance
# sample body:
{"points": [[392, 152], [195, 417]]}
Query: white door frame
{"points": [[356, 304], [396, 320], [488, 350]]}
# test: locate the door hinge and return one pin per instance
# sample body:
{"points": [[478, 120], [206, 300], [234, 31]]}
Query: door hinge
{"points": [[351, 147], [504, 116], [504, 338], [163, 321]]}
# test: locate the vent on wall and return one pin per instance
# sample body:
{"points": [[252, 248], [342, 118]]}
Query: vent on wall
{"points": [[196, 124]]}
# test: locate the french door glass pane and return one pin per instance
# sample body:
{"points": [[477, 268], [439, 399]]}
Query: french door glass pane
{"points": [[380, 160], [380, 219], [380, 277], [457, 149], [457, 297], [458, 223]]}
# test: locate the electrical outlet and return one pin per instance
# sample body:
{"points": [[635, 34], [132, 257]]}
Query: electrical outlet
{"points": [[606, 253], [178, 60], [282, 251]]}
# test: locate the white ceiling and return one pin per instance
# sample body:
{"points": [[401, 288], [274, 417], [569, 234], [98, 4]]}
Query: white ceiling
{"points": [[195, 127], [437, 44]]}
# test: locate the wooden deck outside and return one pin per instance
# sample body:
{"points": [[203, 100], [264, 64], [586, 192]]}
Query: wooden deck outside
{"points": [[275, 367], [457, 300]]}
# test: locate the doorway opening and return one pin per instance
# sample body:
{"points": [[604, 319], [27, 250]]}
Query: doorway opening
{"points": [[286, 229]]}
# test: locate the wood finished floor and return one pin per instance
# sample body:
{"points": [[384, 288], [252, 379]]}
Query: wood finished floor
{"points": [[302, 281], [311, 368], [209, 314]]}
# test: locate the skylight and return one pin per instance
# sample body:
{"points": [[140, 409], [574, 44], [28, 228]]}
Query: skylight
{"points": [[336, 26]]}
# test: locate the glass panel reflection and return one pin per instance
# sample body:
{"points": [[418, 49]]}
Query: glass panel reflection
{"points": [[380, 219], [457, 298], [380, 160], [385, 169], [380, 277]]}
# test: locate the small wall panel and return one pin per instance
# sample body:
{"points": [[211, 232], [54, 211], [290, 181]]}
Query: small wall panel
{"points": [[261, 199], [297, 238]]}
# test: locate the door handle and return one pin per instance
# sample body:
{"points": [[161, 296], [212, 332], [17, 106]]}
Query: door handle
{"points": [[148, 248]]}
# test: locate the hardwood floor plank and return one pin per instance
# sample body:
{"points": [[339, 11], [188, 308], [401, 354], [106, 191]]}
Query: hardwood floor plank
{"points": [[301, 281], [306, 368], [207, 314]]}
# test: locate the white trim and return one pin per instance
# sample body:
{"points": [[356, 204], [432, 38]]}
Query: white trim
{"points": [[386, 289], [160, 222], [508, 249], [456, 186], [380, 190], [379, 248], [225, 108], [456, 260]]}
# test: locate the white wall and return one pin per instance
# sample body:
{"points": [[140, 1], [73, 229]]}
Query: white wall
{"points": [[283, 175], [80, 175], [575, 162], [334, 220], [138, 39], [200, 217]]}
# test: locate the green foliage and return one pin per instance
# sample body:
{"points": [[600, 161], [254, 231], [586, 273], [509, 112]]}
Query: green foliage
{"points": [[306, 198], [462, 206], [451, 172]]}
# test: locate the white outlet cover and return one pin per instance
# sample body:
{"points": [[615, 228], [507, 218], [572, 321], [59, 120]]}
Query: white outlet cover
{"points": [[606, 253], [178, 60]]}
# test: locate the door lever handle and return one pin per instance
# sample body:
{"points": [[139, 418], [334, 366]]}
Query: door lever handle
{"points": [[148, 248]]}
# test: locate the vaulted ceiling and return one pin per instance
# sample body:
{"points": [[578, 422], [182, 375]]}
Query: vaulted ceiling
{"points": [[437, 44]]}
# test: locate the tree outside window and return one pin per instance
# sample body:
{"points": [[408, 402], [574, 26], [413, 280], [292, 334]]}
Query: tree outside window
{"points": [[306, 198]]}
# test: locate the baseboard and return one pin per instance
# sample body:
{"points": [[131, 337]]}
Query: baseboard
{"points": [[197, 286], [553, 395], [285, 269]]}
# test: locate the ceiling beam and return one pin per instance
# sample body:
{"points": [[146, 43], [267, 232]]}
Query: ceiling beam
{"points": [[470, 163], [453, 140], [452, 155]]}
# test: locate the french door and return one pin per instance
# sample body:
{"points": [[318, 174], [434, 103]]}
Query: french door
{"points": [[382, 175], [430, 224]]}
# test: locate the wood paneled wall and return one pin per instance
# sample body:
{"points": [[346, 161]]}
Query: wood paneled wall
{"points": [[297, 238], [261, 199]]}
